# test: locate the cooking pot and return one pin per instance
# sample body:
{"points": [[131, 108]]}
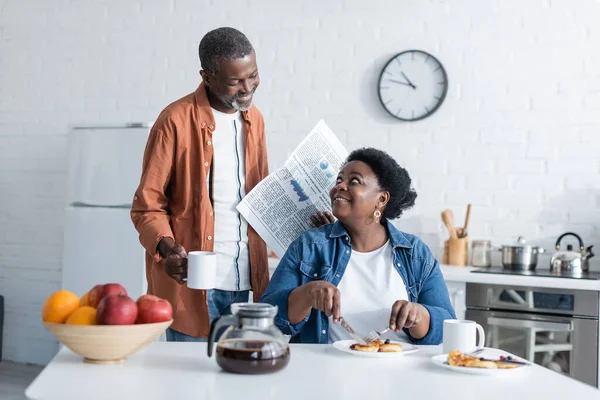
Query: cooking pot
{"points": [[520, 256]]}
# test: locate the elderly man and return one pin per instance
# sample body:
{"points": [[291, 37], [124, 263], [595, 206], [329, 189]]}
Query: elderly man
{"points": [[204, 153]]}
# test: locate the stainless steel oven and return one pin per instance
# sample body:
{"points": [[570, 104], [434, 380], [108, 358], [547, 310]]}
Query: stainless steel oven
{"points": [[555, 328]]}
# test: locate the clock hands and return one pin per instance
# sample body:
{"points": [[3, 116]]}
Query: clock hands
{"points": [[407, 83], [401, 83], [408, 80]]}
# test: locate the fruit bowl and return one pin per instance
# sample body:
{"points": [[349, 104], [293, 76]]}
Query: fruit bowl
{"points": [[106, 344]]}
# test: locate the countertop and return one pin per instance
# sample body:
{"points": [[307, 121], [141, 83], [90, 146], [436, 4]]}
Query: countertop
{"points": [[166, 370], [465, 274]]}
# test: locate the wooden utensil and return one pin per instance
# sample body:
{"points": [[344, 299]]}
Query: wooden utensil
{"points": [[464, 229], [448, 218]]}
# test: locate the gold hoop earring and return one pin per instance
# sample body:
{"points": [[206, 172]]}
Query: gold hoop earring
{"points": [[377, 215]]}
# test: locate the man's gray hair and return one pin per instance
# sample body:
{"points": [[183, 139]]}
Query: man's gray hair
{"points": [[222, 43]]}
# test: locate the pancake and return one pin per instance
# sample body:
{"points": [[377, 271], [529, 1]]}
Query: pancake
{"points": [[378, 345], [458, 359], [370, 348], [390, 348]]}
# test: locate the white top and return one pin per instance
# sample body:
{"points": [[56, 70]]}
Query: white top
{"points": [[179, 370], [369, 287], [229, 187]]}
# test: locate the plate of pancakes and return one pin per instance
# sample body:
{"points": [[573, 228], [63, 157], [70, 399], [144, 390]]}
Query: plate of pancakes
{"points": [[375, 349], [490, 362]]}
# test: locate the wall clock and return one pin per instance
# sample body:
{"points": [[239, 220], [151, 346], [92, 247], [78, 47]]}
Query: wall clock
{"points": [[412, 85]]}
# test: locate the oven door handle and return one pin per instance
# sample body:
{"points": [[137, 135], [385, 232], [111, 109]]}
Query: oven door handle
{"points": [[543, 325]]}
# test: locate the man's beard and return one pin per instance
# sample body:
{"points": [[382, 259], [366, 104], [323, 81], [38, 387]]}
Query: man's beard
{"points": [[232, 102], [240, 107]]}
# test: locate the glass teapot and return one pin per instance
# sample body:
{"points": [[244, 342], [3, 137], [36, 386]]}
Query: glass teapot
{"points": [[251, 344]]}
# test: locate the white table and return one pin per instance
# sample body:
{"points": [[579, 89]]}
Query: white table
{"points": [[166, 370]]}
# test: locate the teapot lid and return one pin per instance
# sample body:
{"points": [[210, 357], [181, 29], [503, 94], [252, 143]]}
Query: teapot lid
{"points": [[254, 310]]}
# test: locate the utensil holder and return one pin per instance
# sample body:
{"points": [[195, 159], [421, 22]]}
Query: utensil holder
{"points": [[456, 252]]}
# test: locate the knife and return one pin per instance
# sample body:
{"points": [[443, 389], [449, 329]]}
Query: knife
{"points": [[505, 361], [351, 331]]}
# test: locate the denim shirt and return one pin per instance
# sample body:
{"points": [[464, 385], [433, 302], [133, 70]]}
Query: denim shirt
{"points": [[323, 254]]}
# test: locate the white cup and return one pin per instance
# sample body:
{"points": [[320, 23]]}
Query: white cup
{"points": [[202, 270], [461, 335]]}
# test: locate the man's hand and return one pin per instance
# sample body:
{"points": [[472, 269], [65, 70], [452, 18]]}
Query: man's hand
{"points": [[321, 218], [175, 259]]}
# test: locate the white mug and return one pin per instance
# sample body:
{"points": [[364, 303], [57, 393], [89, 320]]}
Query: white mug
{"points": [[461, 335], [202, 270]]}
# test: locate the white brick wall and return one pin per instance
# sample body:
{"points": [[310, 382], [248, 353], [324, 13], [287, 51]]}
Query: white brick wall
{"points": [[517, 135]]}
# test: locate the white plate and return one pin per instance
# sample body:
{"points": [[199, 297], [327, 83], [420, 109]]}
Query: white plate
{"points": [[344, 345], [442, 361]]}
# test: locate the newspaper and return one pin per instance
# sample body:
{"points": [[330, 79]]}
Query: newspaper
{"points": [[280, 206]]}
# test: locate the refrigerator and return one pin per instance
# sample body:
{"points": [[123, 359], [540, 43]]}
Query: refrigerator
{"points": [[101, 244]]}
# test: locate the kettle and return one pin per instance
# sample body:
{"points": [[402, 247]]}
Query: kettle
{"points": [[251, 343], [574, 261]]}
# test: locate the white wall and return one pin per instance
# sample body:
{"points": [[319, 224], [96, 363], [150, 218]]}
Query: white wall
{"points": [[517, 136]]}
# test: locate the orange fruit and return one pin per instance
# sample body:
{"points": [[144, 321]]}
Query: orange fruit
{"points": [[85, 315], [59, 306], [85, 300]]}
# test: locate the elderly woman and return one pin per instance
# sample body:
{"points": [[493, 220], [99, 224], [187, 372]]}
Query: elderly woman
{"points": [[361, 267]]}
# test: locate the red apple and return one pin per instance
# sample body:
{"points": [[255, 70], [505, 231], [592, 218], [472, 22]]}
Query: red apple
{"points": [[94, 296], [98, 292], [114, 288], [116, 309], [153, 309]]}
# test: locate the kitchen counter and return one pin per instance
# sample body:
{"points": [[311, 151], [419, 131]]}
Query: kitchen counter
{"points": [[465, 274], [183, 371]]}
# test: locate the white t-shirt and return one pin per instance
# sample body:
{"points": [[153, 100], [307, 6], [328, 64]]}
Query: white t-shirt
{"points": [[229, 187], [368, 289]]}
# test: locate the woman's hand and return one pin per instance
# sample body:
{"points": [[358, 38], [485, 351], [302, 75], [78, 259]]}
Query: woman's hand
{"points": [[320, 295], [321, 218], [412, 316], [325, 297]]}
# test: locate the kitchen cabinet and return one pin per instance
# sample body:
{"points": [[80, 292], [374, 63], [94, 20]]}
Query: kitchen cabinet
{"points": [[457, 292]]}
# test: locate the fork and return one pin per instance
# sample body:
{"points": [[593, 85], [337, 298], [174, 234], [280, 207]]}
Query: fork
{"points": [[374, 335]]}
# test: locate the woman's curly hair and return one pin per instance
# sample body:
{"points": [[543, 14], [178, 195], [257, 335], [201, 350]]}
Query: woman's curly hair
{"points": [[391, 177]]}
